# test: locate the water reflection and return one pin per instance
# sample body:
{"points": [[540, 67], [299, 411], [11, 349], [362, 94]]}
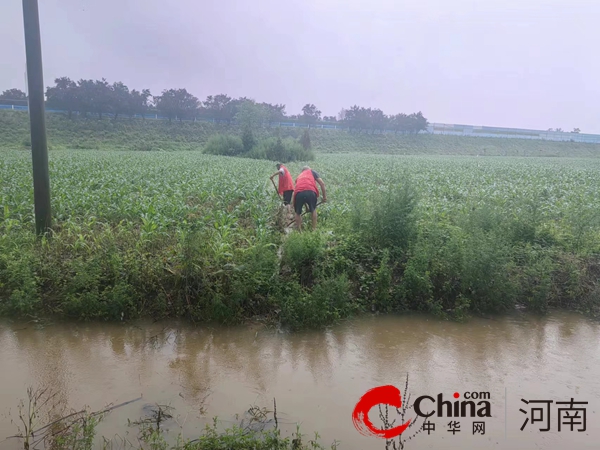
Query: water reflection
{"points": [[182, 365]]}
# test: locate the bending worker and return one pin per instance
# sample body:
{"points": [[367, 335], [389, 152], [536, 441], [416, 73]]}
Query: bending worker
{"points": [[286, 184], [306, 192]]}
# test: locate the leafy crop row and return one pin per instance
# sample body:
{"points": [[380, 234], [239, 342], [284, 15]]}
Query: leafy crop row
{"points": [[195, 235]]}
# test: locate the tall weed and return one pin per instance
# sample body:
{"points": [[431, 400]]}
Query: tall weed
{"points": [[302, 253], [390, 220], [328, 302]]}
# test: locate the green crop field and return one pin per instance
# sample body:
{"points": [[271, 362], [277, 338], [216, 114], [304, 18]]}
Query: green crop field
{"points": [[185, 234]]}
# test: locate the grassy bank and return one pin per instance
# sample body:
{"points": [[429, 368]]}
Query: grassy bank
{"points": [[154, 135], [193, 235]]}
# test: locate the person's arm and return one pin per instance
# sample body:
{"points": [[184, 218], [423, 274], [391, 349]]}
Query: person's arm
{"points": [[294, 198], [322, 189], [279, 172]]}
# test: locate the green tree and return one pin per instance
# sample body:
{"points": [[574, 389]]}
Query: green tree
{"points": [[63, 95], [310, 114], [139, 102], [177, 103], [251, 115], [377, 120], [357, 118], [220, 107], [13, 97], [102, 97], [420, 122], [399, 123], [248, 139], [120, 99], [85, 96], [275, 113], [94, 97], [305, 140], [278, 151]]}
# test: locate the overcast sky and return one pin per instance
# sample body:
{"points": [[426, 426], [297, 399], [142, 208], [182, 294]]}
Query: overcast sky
{"points": [[513, 63]]}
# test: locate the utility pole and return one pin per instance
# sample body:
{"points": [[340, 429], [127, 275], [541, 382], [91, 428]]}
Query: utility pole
{"points": [[37, 119]]}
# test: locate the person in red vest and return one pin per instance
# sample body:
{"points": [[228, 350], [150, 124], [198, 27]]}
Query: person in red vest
{"points": [[286, 184], [306, 192]]}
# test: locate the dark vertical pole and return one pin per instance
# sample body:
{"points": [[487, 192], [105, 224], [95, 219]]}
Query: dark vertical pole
{"points": [[39, 147]]}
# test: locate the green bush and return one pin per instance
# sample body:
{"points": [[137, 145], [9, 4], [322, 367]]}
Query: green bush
{"points": [[302, 252], [258, 152], [390, 220], [255, 277], [273, 149], [430, 281], [19, 290], [248, 140], [451, 270], [225, 145], [328, 302], [534, 276], [485, 274]]}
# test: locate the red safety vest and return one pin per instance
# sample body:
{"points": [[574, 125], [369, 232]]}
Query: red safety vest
{"points": [[286, 183], [306, 182]]}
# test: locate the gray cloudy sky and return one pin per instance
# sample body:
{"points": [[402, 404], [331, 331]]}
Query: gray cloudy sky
{"points": [[515, 63]]}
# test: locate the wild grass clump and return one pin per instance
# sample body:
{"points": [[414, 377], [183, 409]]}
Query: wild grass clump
{"points": [[311, 295], [451, 270], [302, 253], [238, 438], [19, 287], [389, 220], [327, 302]]}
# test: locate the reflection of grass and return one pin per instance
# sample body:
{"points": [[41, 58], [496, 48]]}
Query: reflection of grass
{"points": [[78, 430]]}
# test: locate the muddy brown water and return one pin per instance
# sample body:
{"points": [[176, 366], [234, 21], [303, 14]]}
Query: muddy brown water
{"points": [[316, 377]]}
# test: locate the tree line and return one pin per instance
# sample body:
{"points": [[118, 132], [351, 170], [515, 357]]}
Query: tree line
{"points": [[99, 98]]}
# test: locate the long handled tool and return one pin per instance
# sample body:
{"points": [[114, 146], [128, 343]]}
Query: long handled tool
{"points": [[276, 190]]}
